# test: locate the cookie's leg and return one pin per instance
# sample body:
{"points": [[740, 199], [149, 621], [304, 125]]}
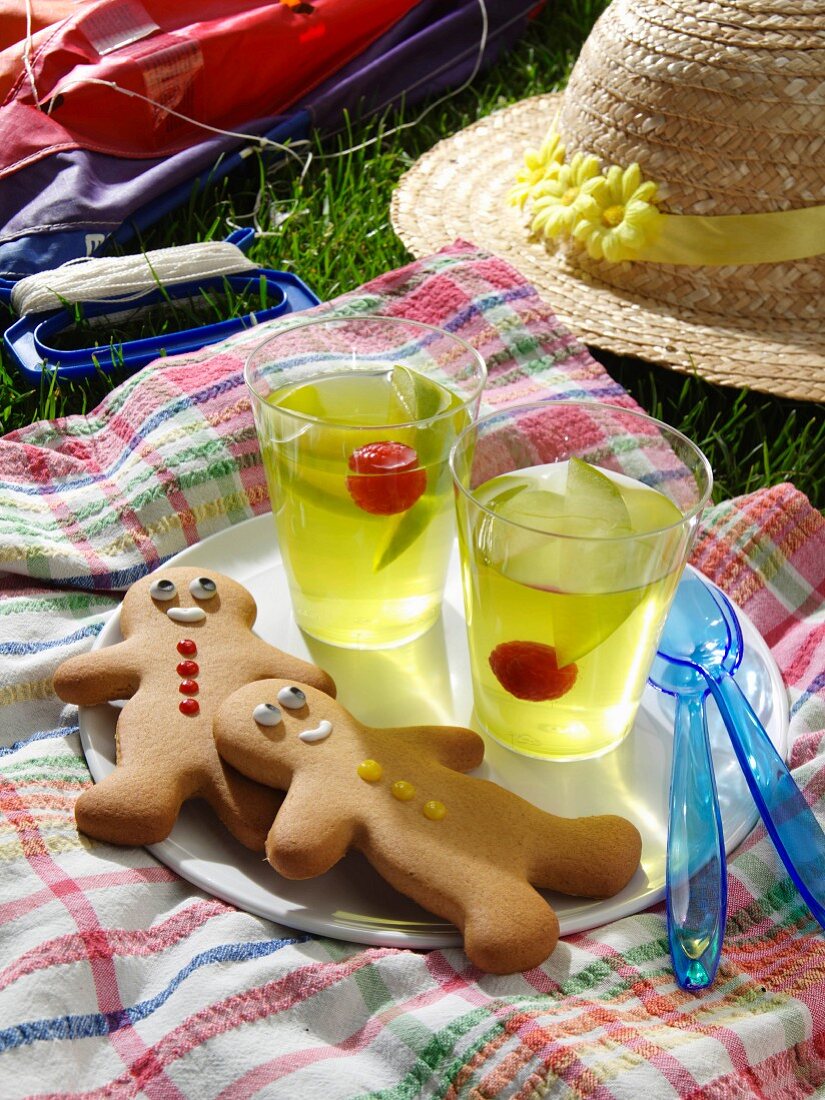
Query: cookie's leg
{"points": [[130, 806], [592, 857], [508, 929], [507, 926], [246, 808]]}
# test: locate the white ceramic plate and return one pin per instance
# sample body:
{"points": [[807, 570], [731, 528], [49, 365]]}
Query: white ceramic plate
{"points": [[428, 681]]}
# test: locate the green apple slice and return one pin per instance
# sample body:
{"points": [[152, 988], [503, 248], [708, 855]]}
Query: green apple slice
{"points": [[601, 559], [595, 501], [591, 562]]}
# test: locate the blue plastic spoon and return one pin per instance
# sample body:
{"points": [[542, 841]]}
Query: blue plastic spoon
{"points": [[695, 867], [703, 633]]}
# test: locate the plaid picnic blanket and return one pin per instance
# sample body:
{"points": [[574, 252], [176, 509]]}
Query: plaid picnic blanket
{"points": [[117, 978]]}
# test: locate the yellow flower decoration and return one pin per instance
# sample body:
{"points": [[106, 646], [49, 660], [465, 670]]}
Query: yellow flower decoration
{"points": [[560, 202], [621, 218], [539, 164]]}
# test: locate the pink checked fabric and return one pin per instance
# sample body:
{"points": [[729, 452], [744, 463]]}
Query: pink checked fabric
{"points": [[119, 979]]}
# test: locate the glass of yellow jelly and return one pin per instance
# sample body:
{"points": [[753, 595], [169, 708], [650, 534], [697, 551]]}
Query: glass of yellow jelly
{"points": [[355, 418], [575, 520]]}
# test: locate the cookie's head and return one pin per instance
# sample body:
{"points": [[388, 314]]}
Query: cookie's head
{"points": [[281, 724], [185, 596]]}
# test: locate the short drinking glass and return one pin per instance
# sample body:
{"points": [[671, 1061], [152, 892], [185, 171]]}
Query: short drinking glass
{"points": [[575, 521], [355, 418]]}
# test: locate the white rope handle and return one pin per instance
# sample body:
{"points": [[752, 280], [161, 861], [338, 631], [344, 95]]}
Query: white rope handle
{"points": [[119, 278]]}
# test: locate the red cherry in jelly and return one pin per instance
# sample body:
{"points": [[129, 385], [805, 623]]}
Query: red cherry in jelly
{"points": [[529, 670], [386, 478]]}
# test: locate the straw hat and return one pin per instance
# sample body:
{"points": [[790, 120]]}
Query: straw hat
{"points": [[721, 104]]}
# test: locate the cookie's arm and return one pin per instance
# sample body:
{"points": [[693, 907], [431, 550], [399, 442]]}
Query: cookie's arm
{"points": [[309, 835], [277, 665], [99, 676], [453, 746]]}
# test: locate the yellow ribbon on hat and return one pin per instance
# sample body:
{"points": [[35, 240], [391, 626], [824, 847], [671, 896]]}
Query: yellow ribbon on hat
{"points": [[769, 238], [614, 215]]}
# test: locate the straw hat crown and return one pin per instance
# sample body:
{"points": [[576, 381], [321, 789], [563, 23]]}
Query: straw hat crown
{"points": [[722, 104]]}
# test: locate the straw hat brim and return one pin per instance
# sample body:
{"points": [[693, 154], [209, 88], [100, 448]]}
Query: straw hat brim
{"points": [[458, 190]]}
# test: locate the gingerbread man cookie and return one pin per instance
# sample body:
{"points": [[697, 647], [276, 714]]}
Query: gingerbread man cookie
{"points": [[462, 847], [188, 644]]}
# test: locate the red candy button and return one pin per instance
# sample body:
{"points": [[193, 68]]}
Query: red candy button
{"points": [[188, 668], [187, 648], [188, 687], [189, 706]]}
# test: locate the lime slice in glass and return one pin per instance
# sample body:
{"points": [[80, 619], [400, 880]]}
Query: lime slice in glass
{"points": [[401, 531], [416, 396]]}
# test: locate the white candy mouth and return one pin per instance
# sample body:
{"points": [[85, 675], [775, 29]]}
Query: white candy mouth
{"points": [[322, 730], [186, 614]]}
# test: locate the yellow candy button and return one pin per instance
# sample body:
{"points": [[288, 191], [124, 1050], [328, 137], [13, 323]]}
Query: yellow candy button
{"points": [[434, 810], [370, 770], [402, 790]]}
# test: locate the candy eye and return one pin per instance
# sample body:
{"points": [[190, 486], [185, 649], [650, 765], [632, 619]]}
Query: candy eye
{"points": [[267, 714], [163, 590], [203, 588], [292, 698]]}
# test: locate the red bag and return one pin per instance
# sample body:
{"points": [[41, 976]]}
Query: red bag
{"points": [[222, 62]]}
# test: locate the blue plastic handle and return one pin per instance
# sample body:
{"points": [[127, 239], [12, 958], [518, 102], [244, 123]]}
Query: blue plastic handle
{"points": [[28, 340], [788, 818], [696, 871]]}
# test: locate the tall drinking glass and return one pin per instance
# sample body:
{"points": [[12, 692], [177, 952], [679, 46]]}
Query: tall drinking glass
{"points": [[355, 417], [575, 521]]}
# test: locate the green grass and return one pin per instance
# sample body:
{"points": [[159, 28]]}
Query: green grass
{"points": [[330, 225]]}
